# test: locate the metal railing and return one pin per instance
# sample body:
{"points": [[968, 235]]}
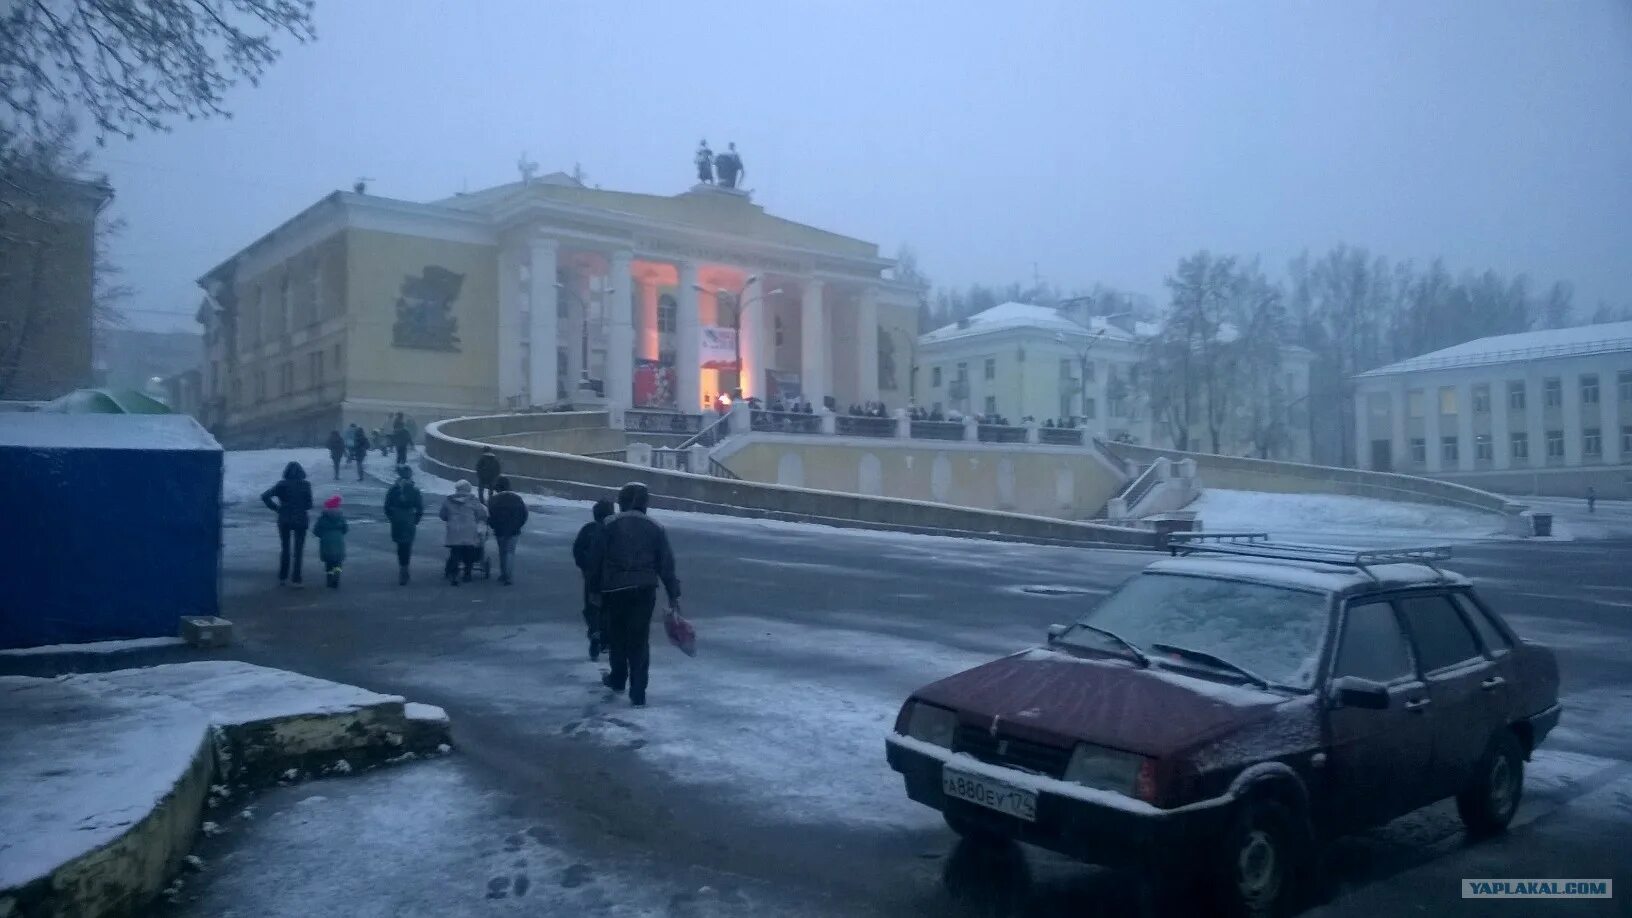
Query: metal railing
{"points": [[718, 470], [855, 426], [616, 455], [1140, 486], [711, 434], [1001, 433], [786, 422], [645, 420], [1060, 436], [675, 460], [937, 430]]}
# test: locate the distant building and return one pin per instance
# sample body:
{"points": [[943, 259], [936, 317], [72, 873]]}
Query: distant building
{"points": [[361, 306], [47, 284], [128, 358], [1019, 360], [1545, 412]]}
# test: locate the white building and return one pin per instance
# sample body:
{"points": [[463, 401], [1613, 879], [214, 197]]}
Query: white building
{"points": [[1020, 360], [1545, 412]]}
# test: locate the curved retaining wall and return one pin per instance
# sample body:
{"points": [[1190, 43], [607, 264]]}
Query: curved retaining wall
{"points": [[452, 446], [1246, 474]]}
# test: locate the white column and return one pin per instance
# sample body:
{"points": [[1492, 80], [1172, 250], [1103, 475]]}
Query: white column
{"points": [[812, 348], [541, 389], [512, 384], [650, 341], [620, 335], [1609, 412], [1501, 436], [1464, 427], [1534, 408], [751, 339], [1362, 429], [688, 374], [1400, 404], [867, 344], [1572, 416], [573, 336], [1430, 423]]}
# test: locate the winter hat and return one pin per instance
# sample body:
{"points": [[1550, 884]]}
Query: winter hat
{"points": [[333, 503], [404, 472], [462, 486]]}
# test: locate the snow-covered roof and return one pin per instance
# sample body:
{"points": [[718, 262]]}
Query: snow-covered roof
{"points": [[1301, 575], [44, 430], [1006, 316], [1604, 338]]}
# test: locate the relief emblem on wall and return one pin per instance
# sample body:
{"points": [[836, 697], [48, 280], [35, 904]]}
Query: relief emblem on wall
{"points": [[425, 318]]}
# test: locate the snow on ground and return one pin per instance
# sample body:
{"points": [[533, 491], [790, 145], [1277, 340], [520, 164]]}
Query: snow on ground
{"points": [[248, 472], [1339, 519], [1611, 519], [98, 647]]}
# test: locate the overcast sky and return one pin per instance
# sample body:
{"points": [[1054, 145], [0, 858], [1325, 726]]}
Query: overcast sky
{"points": [[1096, 141]]}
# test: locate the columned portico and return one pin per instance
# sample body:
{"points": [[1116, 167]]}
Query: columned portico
{"points": [[542, 325], [813, 370], [867, 345], [620, 333], [688, 374]]}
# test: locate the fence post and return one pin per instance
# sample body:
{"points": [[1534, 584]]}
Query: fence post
{"points": [[830, 422], [1117, 508], [697, 459], [742, 417], [1032, 436], [971, 430], [638, 454], [903, 425]]}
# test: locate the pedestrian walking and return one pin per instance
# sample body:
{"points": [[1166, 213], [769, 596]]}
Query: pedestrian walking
{"points": [[404, 507], [330, 532], [291, 500], [352, 432], [401, 440], [585, 549], [506, 514], [487, 473], [464, 515], [633, 560], [337, 451], [360, 451]]}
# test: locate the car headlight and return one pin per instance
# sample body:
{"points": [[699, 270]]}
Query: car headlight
{"points": [[931, 724], [1112, 770]]}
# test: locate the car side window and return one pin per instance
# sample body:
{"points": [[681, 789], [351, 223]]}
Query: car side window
{"points": [[1494, 639], [1373, 647], [1441, 637]]}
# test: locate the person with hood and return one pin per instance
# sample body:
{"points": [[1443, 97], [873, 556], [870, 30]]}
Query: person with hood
{"points": [[487, 473], [632, 560], [401, 439], [330, 532], [359, 451], [404, 507], [337, 451], [291, 500], [506, 513], [464, 515], [584, 549]]}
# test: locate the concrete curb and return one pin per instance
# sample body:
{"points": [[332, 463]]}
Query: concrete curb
{"points": [[122, 876]]}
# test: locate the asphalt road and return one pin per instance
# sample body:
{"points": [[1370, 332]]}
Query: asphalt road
{"points": [[761, 761]]}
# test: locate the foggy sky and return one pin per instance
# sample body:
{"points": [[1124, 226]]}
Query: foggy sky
{"points": [[1098, 141]]}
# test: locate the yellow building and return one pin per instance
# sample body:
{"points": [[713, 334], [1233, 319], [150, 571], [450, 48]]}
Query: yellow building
{"points": [[362, 306]]}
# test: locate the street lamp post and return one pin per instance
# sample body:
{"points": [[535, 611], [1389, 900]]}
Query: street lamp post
{"points": [[742, 301]]}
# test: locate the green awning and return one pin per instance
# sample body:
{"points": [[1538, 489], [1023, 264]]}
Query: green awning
{"points": [[107, 401]]}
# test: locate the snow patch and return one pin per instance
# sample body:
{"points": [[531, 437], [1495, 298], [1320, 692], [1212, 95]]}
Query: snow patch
{"points": [[1340, 519], [96, 647]]}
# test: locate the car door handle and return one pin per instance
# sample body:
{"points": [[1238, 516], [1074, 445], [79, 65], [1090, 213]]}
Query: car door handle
{"points": [[1418, 704], [1492, 682]]}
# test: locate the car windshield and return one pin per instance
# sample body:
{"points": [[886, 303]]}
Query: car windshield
{"points": [[1270, 631]]}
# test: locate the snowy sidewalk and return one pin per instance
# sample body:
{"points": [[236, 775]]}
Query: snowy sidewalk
{"points": [[104, 777], [1341, 520]]}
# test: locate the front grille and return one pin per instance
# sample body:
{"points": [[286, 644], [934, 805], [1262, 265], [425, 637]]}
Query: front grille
{"points": [[1006, 750]]}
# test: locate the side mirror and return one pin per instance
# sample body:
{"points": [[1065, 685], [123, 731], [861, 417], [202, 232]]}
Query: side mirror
{"points": [[1355, 692], [1055, 631]]}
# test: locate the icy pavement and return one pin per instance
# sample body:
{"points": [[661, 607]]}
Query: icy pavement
{"points": [[1339, 519]]}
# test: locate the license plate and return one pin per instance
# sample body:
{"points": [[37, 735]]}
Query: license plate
{"points": [[990, 793]]}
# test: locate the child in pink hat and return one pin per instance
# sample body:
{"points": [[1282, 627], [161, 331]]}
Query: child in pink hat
{"points": [[330, 532]]}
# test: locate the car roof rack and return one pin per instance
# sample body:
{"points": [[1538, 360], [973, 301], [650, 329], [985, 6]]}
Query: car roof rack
{"points": [[1258, 545]]}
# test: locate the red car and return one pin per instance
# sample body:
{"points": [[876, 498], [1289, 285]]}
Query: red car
{"points": [[1231, 708]]}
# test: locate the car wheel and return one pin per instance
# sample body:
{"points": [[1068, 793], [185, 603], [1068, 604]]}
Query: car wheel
{"points": [[1488, 804], [1257, 864]]}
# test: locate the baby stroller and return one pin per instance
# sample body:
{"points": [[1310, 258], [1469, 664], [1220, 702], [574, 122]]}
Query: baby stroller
{"points": [[484, 561]]}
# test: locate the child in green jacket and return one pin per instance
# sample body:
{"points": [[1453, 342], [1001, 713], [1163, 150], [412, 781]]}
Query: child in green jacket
{"points": [[330, 532]]}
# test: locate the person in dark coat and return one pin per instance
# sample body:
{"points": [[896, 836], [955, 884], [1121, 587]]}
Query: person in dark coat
{"points": [[584, 549], [401, 440], [633, 560], [291, 500], [1592, 499], [464, 515], [330, 532], [404, 507], [360, 451], [506, 514], [487, 473], [337, 451]]}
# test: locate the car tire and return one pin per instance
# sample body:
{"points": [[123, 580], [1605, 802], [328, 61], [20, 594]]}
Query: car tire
{"points": [[1488, 804], [1259, 861]]}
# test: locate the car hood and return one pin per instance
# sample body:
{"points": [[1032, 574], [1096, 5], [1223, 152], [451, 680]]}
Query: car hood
{"points": [[1060, 698]]}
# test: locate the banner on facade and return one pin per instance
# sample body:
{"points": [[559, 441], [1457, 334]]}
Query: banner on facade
{"points": [[654, 385], [782, 383], [719, 348]]}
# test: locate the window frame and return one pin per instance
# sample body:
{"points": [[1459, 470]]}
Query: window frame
{"points": [[1588, 384], [1450, 448], [1418, 447], [1592, 442], [1518, 445], [989, 368], [1463, 599], [1481, 398], [1340, 634], [1516, 396], [1552, 392], [1444, 595], [1555, 436], [935, 377]]}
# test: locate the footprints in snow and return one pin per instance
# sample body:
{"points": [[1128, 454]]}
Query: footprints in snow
{"points": [[612, 730], [519, 882]]}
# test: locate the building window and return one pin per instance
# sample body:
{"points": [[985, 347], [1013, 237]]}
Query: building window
{"points": [[1481, 399], [1481, 448], [963, 372], [339, 358], [1515, 396], [1447, 400], [1088, 371], [1626, 441], [991, 367], [1413, 404], [1592, 442], [668, 309], [1589, 389], [1555, 444], [1623, 381], [1419, 450], [316, 369], [260, 386], [1119, 407], [1065, 367], [1553, 392], [1447, 449], [1088, 409], [991, 405], [934, 377], [1520, 445]]}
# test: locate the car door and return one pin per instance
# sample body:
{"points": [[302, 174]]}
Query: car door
{"points": [[1501, 685], [1376, 760], [1460, 681]]}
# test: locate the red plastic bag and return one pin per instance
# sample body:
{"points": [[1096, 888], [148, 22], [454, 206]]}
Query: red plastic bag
{"points": [[681, 633]]}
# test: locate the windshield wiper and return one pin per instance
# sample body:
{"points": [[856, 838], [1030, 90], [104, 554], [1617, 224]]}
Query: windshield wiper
{"points": [[1212, 660], [1139, 655]]}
